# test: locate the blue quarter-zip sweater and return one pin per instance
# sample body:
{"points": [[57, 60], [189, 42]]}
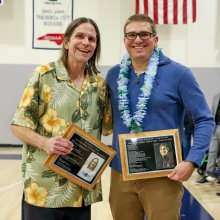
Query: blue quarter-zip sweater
{"points": [[175, 91]]}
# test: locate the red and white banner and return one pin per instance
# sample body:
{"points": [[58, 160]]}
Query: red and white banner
{"points": [[50, 20], [168, 11]]}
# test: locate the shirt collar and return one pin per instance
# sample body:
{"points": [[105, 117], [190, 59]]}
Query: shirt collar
{"points": [[62, 74]]}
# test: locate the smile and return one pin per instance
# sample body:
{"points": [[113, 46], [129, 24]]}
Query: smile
{"points": [[84, 50], [139, 47]]}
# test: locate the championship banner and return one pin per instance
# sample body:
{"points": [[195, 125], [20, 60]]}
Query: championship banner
{"points": [[168, 11], [50, 20]]}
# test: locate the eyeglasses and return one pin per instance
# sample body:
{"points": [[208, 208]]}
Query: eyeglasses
{"points": [[143, 35]]}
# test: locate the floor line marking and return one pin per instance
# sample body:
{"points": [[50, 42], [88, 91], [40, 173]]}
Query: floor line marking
{"points": [[10, 186]]}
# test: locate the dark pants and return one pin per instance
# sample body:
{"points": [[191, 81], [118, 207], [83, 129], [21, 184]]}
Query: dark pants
{"points": [[30, 212]]}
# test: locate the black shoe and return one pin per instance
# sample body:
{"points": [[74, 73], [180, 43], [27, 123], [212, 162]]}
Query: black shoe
{"points": [[215, 173], [202, 181], [218, 193], [218, 183]]}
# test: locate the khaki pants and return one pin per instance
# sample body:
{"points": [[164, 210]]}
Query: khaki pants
{"points": [[157, 198]]}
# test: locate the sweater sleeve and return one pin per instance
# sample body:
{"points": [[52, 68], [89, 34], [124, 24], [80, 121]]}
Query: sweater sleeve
{"points": [[194, 101]]}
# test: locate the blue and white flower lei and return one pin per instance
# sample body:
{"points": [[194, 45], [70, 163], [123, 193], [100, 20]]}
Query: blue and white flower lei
{"points": [[135, 122]]}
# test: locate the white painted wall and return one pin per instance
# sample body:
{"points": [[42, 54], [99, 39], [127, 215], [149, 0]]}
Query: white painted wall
{"points": [[195, 45]]}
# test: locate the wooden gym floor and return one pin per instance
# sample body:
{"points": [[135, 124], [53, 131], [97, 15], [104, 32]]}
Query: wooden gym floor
{"points": [[200, 202]]}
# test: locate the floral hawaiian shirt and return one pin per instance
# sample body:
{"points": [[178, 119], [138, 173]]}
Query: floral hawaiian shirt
{"points": [[49, 104]]}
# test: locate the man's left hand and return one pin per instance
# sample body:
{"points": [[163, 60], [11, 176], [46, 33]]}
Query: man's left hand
{"points": [[182, 171]]}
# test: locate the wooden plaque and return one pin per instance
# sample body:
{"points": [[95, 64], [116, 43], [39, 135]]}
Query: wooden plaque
{"points": [[149, 154], [87, 161]]}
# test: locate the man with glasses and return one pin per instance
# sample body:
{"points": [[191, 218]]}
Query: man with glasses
{"points": [[150, 92]]}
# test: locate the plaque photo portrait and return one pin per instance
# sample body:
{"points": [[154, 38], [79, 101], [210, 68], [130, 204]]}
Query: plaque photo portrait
{"points": [[91, 167], [149, 154], [164, 155]]}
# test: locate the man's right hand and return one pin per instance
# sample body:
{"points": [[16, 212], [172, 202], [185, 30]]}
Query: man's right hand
{"points": [[57, 145]]}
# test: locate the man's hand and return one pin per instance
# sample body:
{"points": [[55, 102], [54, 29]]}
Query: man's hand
{"points": [[182, 171], [57, 145]]}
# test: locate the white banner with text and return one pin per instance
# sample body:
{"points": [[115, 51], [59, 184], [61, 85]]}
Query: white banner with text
{"points": [[50, 20]]}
